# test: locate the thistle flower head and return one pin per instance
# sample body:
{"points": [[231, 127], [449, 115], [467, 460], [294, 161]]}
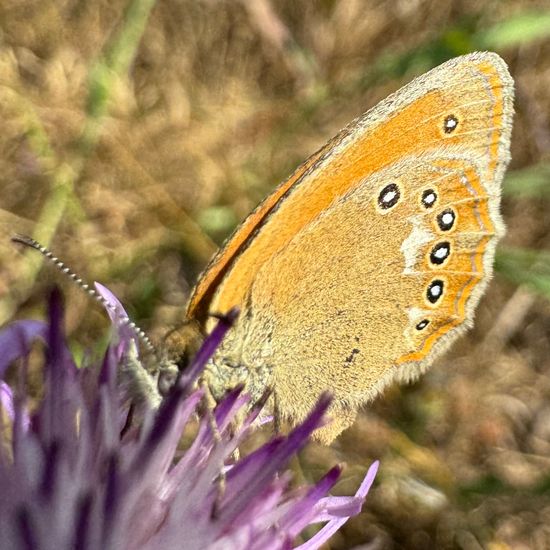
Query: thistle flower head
{"points": [[73, 474]]}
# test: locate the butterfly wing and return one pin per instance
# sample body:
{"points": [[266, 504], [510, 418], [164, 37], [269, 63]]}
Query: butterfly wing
{"points": [[373, 258], [361, 297], [476, 87]]}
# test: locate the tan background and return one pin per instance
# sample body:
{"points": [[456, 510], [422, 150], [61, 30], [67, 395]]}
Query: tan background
{"points": [[136, 135]]}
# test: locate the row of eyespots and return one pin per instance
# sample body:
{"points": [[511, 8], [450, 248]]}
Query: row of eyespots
{"points": [[440, 252], [389, 196], [446, 218], [445, 221]]}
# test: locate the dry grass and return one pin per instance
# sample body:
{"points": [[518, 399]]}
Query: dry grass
{"points": [[136, 184]]}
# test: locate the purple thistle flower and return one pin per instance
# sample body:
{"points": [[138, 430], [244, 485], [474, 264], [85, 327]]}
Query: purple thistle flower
{"points": [[73, 476]]}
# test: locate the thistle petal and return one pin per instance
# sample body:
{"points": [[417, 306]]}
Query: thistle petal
{"points": [[74, 478]]}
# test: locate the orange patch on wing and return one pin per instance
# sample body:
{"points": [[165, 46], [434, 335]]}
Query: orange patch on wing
{"points": [[341, 170], [219, 264], [460, 306], [465, 292], [339, 166]]}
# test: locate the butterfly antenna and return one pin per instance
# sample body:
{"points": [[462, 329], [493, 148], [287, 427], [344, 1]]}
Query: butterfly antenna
{"points": [[122, 319]]}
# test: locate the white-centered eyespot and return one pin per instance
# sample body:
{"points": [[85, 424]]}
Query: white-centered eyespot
{"points": [[429, 197], [389, 196], [435, 291], [440, 252], [446, 219], [450, 124]]}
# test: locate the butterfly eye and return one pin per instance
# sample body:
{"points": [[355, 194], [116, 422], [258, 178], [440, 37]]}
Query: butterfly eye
{"points": [[429, 196], [435, 291], [389, 196], [450, 124]]}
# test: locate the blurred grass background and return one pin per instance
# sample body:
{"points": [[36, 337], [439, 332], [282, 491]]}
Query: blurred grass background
{"points": [[137, 134]]}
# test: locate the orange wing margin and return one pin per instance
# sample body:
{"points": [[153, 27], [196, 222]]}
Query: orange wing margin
{"points": [[214, 272]]}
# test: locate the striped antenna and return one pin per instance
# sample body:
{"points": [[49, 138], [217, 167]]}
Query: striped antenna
{"points": [[123, 320]]}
